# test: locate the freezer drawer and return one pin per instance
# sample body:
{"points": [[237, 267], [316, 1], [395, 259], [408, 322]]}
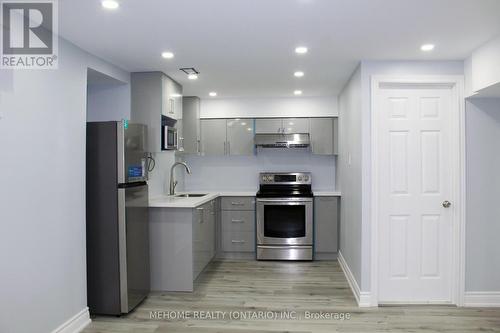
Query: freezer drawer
{"points": [[134, 245]]}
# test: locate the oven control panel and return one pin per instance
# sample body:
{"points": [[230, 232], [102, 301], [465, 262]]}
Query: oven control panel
{"points": [[292, 178]]}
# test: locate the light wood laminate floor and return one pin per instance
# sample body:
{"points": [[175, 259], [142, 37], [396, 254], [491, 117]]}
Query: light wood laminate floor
{"points": [[239, 287]]}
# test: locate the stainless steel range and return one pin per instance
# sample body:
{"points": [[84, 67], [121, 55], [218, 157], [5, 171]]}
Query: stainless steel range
{"points": [[285, 216]]}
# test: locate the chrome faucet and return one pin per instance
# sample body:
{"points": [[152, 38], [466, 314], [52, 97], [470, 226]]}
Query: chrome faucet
{"points": [[173, 183]]}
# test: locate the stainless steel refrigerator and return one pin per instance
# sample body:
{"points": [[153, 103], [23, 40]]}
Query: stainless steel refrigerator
{"points": [[117, 217]]}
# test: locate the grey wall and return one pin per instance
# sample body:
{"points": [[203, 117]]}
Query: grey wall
{"points": [[349, 171], [42, 192], [240, 173], [483, 195]]}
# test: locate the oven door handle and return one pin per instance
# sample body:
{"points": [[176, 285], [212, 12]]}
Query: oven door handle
{"points": [[290, 200]]}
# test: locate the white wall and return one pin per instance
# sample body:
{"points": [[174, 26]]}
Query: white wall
{"points": [[241, 173], [349, 172], [159, 178], [483, 195], [269, 107], [107, 102], [42, 192]]}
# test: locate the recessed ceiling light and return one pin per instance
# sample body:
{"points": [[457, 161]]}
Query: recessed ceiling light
{"points": [[193, 76], [212, 94], [110, 4], [297, 92], [167, 55], [301, 49], [298, 74], [427, 47]]}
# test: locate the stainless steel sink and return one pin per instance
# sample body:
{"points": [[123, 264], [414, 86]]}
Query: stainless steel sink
{"points": [[190, 195]]}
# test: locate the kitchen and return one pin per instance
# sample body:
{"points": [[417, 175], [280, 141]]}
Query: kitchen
{"points": [[250, 166]]}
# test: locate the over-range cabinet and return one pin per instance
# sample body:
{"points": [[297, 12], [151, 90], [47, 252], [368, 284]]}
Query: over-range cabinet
{"points": [[117, 217]]}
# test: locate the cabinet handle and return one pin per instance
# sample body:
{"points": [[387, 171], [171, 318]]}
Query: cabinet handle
{"points": [[198, 146], [238, 241], [225, 149], [200, 210], [228, 148], [237, 203], [238, 221], [171, 102]]}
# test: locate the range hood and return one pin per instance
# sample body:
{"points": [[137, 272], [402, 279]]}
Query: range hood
{"points": [[292, 140]]}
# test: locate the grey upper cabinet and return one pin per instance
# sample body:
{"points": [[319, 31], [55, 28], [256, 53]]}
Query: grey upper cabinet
{"points": [[227, 136], [326, 221], [154, 94], [323, 134], [172, 98], [268, 125], [281, 125], [240, 137], [295, 125], [213, 136], [191, 138]]}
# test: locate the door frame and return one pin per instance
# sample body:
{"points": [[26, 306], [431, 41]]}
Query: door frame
{"points": [[456, 84]]}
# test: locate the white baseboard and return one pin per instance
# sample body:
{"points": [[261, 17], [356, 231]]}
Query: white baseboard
{"points": [[362, 297], [76, 323], [482, 299]]}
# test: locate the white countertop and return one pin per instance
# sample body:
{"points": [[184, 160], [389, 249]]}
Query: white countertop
{"points": [[180, 202], [326, 193]]}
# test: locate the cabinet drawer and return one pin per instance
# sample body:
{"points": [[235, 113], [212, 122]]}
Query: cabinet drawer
{"points": [[236, 220], [238, 203], [240, 241]]}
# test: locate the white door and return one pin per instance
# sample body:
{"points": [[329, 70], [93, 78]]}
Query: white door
{"points": [[414, 170]]}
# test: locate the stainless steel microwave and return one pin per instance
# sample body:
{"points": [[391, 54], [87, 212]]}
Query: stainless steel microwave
{"points": [[169, 138]]}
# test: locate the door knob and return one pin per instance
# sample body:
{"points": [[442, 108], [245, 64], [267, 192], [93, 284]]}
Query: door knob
{"points": [[446, 204]]}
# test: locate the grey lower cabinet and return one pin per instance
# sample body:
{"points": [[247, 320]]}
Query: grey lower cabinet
{"points": [[203, 237], [326, 222], [237, 231], [182, 244], [323, 134]]}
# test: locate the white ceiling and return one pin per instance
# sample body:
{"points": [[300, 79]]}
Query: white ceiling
{"points": [[245, 48]]}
